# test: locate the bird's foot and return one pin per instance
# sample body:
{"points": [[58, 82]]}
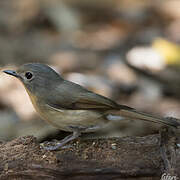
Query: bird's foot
{"points": [[55, 145]]}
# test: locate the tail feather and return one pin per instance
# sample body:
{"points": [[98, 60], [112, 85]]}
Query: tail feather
{"points": [[133, 114]]}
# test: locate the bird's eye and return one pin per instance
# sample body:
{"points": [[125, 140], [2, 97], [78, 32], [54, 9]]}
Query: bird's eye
{"points": [[28, 75]]}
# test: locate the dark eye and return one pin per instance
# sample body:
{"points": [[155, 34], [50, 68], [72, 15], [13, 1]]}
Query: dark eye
{"points": [[28, 75]]}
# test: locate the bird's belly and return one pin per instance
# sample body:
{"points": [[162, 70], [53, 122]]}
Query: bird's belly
{"points": [[86, 120]]}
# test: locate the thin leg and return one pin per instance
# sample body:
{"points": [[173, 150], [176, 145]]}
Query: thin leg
{"points": [[61, 143]]}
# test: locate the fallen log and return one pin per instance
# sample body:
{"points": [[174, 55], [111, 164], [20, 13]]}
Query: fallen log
{"points": [[115, 158]]}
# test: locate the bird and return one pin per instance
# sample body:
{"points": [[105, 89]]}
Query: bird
{"points": [[70, 107]]}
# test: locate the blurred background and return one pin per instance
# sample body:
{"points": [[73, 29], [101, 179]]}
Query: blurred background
{"points": [[127, 50]]}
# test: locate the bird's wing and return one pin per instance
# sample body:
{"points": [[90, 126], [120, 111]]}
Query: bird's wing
{"points": [[72, 96], [90, 100], [84, 101]]}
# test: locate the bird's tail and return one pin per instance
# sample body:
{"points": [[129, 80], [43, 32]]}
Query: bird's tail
{"points": [[131, 113]]}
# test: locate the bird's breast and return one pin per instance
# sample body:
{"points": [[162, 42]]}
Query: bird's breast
{"points": [[64, 119]]}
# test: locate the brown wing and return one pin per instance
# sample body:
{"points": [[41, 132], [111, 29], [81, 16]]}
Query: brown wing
{"points": [[93, 101], [84, 101], [73, 96]]}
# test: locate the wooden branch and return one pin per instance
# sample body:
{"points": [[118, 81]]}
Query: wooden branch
{"points": [[117, 158]]}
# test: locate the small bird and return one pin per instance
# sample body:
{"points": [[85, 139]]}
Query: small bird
{"points": [[70, 107]]}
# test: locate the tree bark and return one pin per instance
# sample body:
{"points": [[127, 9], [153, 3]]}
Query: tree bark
{"points": [[116, 158]]}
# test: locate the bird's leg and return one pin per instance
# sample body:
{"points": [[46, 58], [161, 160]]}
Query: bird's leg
{"points": [[61, 143]]}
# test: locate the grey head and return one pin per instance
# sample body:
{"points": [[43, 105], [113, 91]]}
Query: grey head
{"points": [[36, 76]]}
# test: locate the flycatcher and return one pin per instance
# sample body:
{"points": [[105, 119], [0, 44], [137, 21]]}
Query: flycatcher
{"points": [[70, 107]]}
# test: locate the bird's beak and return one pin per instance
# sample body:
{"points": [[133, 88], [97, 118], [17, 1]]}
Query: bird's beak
{"points": [[11, 72]]}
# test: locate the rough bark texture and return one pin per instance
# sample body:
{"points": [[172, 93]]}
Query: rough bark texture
{"points": [[117, 158]]}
